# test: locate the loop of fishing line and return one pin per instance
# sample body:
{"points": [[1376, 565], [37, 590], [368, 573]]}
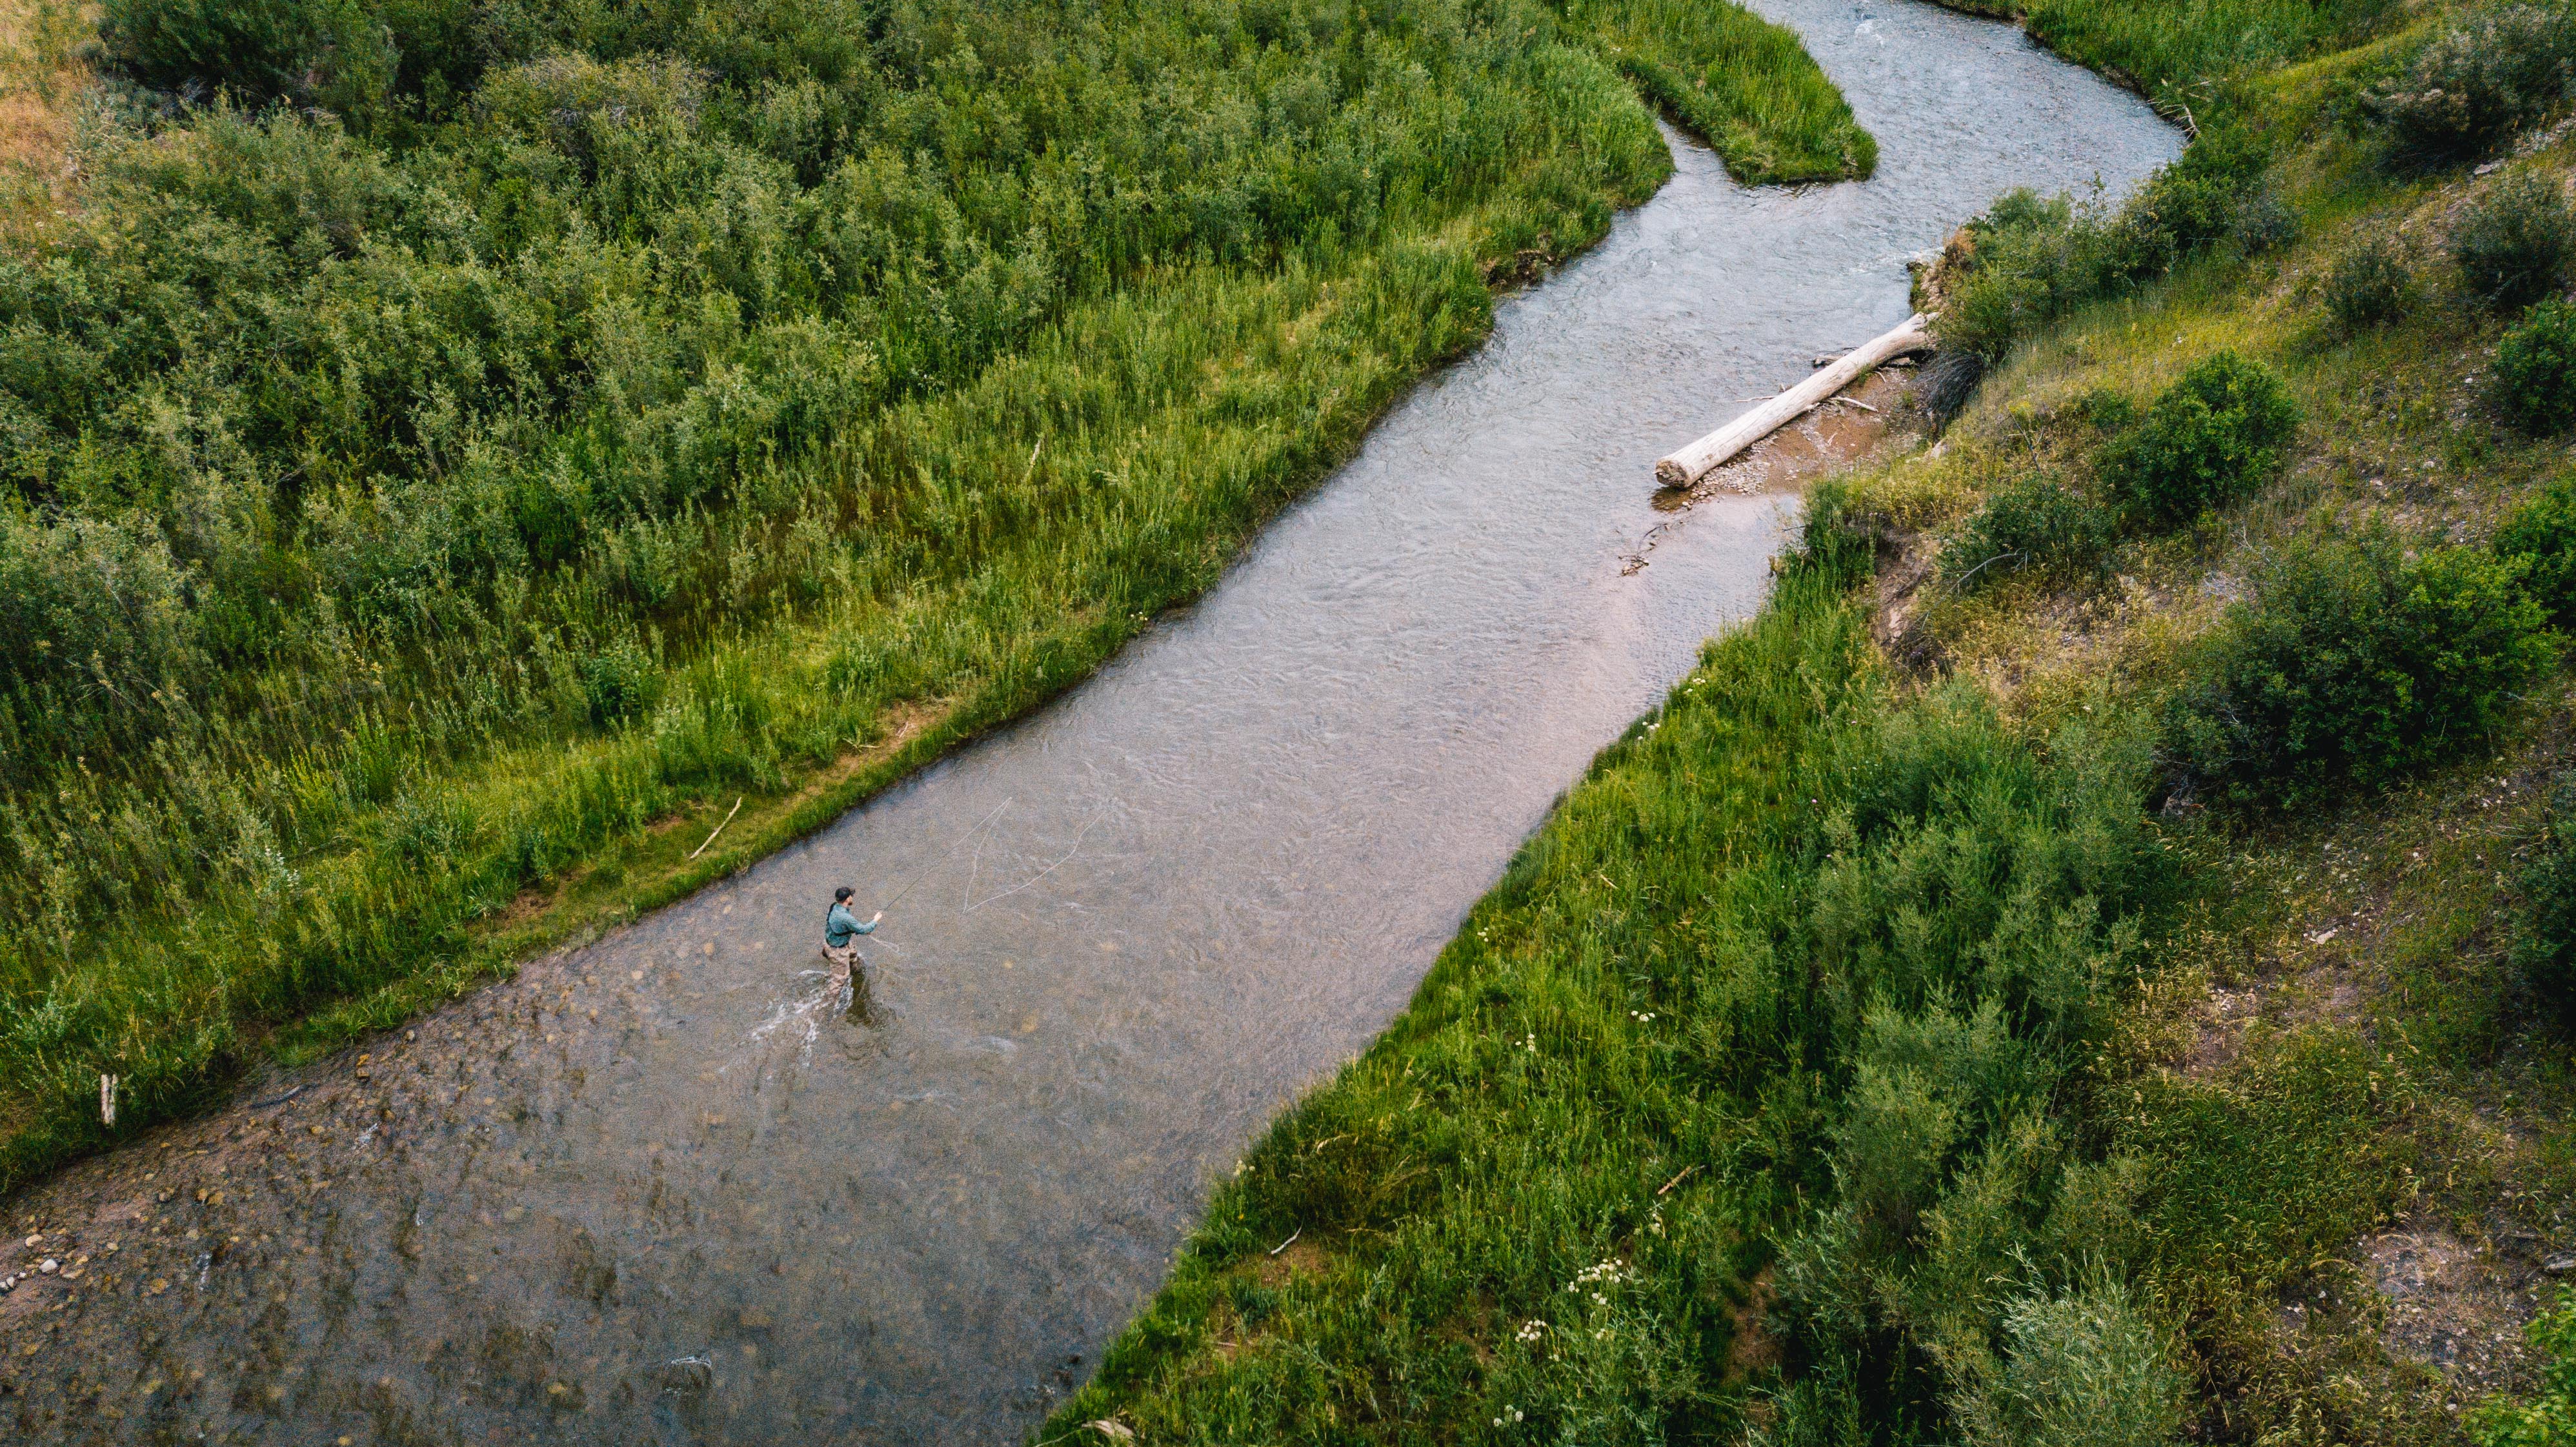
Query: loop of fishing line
{"points": [[923, 872], [1043, 873]]}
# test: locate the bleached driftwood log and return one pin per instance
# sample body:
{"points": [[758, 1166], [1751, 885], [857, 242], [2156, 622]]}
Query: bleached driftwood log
{"points": [[1692, 463]]}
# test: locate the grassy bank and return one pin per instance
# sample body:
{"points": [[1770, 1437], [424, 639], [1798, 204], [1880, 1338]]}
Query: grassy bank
{"points": [[1740, 81], [455, 455], [2104, 975]]}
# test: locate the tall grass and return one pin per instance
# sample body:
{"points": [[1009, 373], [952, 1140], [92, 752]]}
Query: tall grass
{"points": [[441, 450], [2183, 54], [1740, 81]]}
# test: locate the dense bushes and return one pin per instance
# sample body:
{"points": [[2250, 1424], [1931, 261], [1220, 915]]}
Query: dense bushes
{"points": [[91, 610], [2536, 367], [2513, 241], [2028, 261], [1934, 1128], [340, 53], [2212, 438], [608, 343], [2354, 661], [2031, 524], [2479, 81]]}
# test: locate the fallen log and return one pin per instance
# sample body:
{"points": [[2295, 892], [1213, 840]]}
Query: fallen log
{"points": [[1691, 463]]}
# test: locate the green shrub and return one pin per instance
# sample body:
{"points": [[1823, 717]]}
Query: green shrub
{"points": [[2549, 1418], [2212, 438], [2263, 222], [2355, 661], [2542, 535], [2370, 284], [2085, 1368], [2031, 260], [578, 104], [2536, 367], [2513, 241], [93, 606], [2477, 83], [620, 682], [2544, 937], [2026, 261], [2031, 524]]}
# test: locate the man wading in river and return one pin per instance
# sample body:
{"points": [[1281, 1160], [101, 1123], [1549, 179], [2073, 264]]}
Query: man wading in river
{"points": [[839, 928]]}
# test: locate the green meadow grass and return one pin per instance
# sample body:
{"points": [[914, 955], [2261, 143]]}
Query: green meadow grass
{"points": [[1741, 82], [2195, 60]]}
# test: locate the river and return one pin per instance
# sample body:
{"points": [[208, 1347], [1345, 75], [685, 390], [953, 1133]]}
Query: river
{"points": [[654, 1191]]}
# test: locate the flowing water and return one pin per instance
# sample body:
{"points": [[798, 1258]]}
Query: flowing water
{"points": [[656, 1190]]}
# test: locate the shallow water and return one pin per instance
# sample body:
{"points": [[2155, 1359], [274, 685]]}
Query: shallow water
{"points": [[658, 1191]]}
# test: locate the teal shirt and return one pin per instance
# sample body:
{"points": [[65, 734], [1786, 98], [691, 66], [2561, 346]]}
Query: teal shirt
{"points": [[840, 924]]}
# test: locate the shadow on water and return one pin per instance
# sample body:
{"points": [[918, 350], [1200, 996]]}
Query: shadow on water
{"points": [[672, 1187]]}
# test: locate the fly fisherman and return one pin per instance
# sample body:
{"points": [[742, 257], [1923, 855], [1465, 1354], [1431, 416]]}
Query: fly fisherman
{"points": [[839, 928]]}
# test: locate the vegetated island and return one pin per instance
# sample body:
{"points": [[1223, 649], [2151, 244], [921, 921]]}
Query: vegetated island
{"points": [[458, 452], [2092, 962]]}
